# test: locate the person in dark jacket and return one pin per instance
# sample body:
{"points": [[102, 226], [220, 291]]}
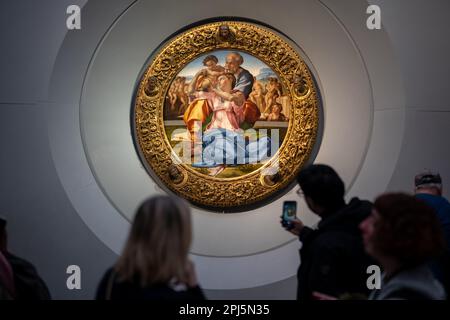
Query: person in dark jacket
{"points": [[428, 187], [333, 260], [28, 284], [154, 264]]}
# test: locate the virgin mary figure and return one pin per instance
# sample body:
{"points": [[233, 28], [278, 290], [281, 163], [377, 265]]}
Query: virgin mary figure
{"points": [[223, 141]]}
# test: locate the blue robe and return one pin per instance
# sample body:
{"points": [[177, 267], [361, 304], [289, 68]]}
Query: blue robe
{"points": [[244, 83], [221, 146]]}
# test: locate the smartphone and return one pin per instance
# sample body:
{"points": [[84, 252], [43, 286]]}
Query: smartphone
{"points": [[289, 210]]}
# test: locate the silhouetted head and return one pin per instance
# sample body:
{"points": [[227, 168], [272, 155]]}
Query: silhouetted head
{"points": [[158, 244], [403, 229], [428, 182], [322, 187]]}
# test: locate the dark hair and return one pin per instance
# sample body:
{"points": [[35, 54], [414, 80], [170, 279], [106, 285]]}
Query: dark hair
{"points": [[407, 229], [210, 58], [323, 185]]}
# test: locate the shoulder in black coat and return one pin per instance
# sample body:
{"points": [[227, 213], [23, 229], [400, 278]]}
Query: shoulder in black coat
{"points": [[133, 291], [333, 260]]}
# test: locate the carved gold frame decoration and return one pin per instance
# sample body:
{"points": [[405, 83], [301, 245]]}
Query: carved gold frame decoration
{"points": [[223, 194]]}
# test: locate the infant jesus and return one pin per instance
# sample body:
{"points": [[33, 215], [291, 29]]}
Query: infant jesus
{"points": [[213, 71]]}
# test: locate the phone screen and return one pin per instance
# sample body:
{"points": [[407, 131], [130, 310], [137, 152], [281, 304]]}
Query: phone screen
{"points": [[289, 210]]}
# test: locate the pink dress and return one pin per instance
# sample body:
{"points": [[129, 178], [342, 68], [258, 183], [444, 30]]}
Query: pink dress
{"points": [[226, 114]]}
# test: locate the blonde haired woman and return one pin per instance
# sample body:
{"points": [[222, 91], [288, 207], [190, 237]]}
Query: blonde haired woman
{"points": [[154, 264]]}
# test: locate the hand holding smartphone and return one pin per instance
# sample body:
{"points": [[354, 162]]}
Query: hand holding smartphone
{"points": [[289, 214]]}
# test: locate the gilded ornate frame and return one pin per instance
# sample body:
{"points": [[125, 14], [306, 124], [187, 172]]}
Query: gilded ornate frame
{"points": [[222, 194]]}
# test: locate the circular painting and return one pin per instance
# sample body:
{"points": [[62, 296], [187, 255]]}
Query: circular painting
{"points": [[233, 109], [225, 115]]}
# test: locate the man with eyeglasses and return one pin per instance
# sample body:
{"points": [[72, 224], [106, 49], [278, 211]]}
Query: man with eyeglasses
{"points": [[333, 260]]}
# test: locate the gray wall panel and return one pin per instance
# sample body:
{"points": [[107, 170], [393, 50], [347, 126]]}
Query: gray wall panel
{"points": [[420, 35], [425, 146], [43, 227]]}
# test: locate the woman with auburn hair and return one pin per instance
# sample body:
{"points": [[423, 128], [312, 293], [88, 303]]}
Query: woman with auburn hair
{"points": [[154, 264], [403, 235]]}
